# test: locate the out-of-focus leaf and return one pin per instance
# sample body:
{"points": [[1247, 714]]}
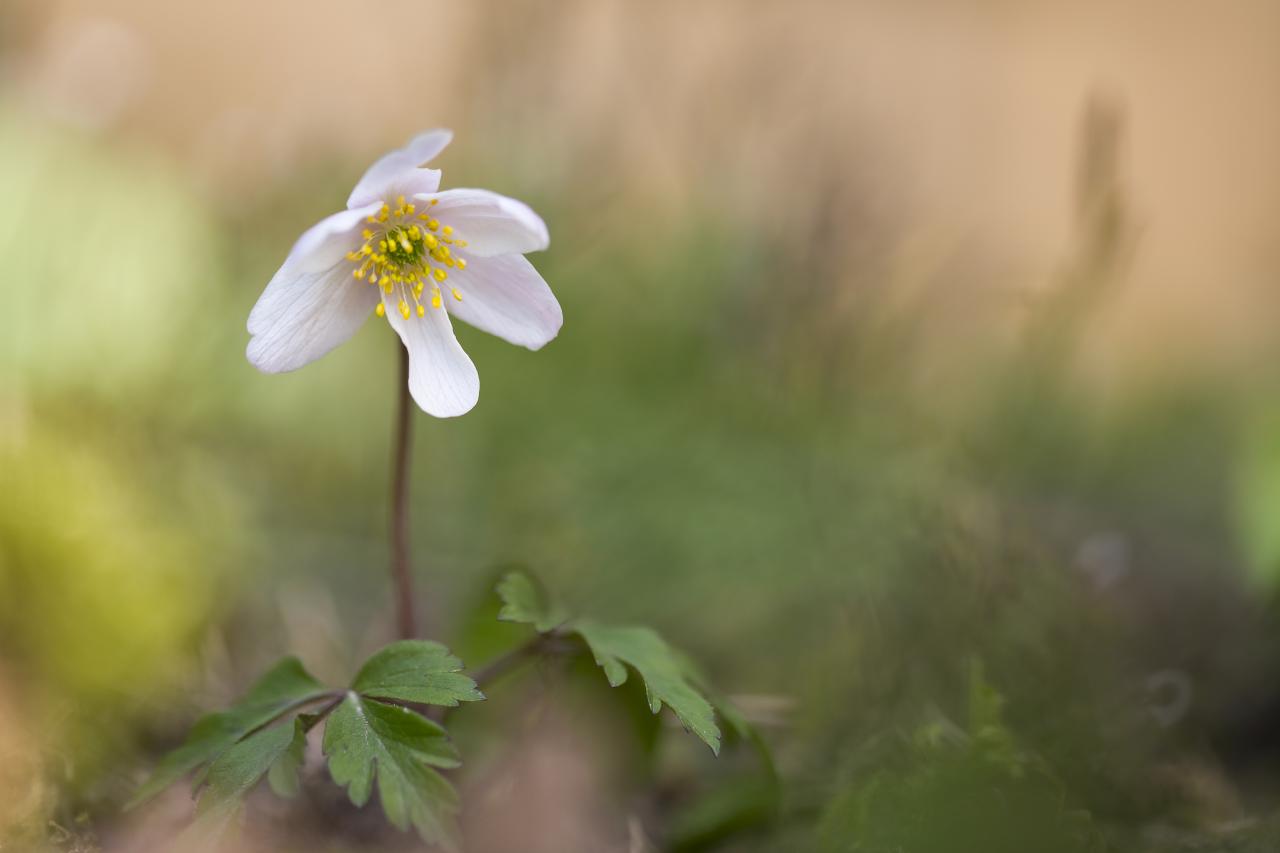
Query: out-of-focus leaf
{"points": [[525, 600], [952, 790], [367, 740], [283, 775], [739, 804], [285, 686], [416, 671], [234, 773]]}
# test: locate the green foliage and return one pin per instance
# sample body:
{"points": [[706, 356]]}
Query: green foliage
{"points": [[952, 790], [369, 735], [276, 750], [367, 739], [416, 671], [286, 686], [525, 600], [668, 677]]}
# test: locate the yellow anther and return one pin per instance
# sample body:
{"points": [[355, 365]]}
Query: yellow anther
{"points": [[367, 234], [400, 200], [462, 265], [386, 288], [415, 232], [448, 229], [366, 249], [421, 311], [381, 310], [433, 224], [434, 202], [382, 245], [440, 274], [430, 241], [424, 216], [450, 262], [404, 309], [457, 294], [435, 299], [358, 273], [408, 209], [353, 256]]}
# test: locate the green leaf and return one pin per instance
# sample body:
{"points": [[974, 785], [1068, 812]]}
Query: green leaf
{"points": [[525, 600], [367, 740], [283, 775], [416, 671], [666, 676], [285, 686], [234, 773]]}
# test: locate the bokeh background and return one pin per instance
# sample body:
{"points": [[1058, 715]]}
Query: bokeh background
{"points": [[920, 377]]}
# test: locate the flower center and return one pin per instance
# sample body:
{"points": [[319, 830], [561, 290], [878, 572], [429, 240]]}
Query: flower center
{"points": [[406, 252]]}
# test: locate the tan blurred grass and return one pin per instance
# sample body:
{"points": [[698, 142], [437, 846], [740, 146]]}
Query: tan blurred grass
{"points": [[901, 142]]}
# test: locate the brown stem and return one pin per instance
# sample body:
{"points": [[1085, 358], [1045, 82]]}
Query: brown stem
{"points": [[401, 572]]}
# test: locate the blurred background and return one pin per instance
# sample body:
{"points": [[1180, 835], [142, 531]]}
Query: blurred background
{"points": [[920, 377]]}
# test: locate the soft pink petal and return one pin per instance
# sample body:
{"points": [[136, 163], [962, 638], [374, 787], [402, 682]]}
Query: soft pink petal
{"points": [[302, 315], [399, 172], [505, 296], [491, 224], [442, 379]]}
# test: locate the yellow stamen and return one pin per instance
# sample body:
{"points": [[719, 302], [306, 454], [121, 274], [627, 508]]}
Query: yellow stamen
{"points": [[405, 256]]}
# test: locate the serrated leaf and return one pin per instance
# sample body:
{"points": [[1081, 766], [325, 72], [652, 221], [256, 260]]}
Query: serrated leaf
{"points": [[233, 773], [416, 671], [286, 685], [368, 741], [283, 775], [666, 678], [231, 776], [525, 600]]}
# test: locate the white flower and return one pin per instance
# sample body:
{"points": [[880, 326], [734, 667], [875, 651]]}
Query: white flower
{"points": [[404, 250]]}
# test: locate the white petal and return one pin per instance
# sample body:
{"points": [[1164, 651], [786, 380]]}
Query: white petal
{"points": [[303, 315], [505, 296], [442, 378], [328, 241], [398, 173], [491, 224]]}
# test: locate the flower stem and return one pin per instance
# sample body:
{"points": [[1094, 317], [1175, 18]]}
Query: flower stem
{"points": [[401, 572]]}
